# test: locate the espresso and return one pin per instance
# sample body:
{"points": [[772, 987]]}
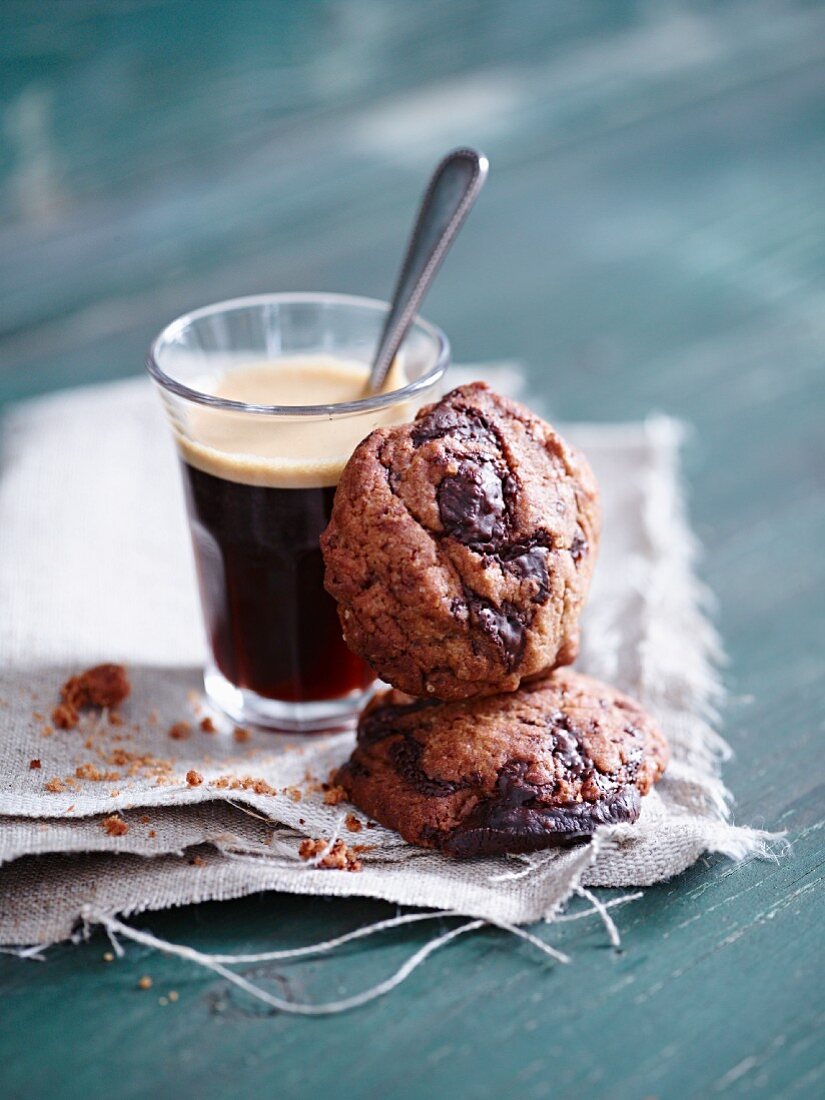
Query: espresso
{"points": [[259, 492], [271, 625]]}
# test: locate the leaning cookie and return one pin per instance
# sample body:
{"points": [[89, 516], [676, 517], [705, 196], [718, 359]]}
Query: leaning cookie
{"points": [[461, 546], [536, 768]]}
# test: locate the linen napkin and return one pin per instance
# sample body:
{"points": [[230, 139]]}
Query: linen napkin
{"points": [[95, 565]]}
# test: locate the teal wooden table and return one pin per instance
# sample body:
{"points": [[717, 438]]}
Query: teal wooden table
{"points": [[652, 237]]}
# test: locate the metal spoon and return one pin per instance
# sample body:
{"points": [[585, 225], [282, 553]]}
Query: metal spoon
{"points": [[450, 194]]}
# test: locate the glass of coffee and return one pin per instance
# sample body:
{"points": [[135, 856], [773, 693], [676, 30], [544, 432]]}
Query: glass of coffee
{"points": [[266, 400]]}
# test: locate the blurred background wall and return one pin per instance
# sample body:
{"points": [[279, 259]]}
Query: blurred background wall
{"points": [[651, 234]]}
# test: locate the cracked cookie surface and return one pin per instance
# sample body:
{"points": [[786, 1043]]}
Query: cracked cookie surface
{"points": [[461, 546], [536, 768]]}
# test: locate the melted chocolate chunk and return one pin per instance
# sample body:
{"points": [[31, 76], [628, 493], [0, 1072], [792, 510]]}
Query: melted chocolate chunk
{"points": [[476, 507], [382, 722], [504, 626], [464, 424], [406, 757], [513, 819], [471, 503], [568, 752], [517, 817], [529, 563], [494, 830], [512, 788]]}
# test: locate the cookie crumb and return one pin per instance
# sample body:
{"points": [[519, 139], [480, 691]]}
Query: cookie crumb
{"points": [[89, 771], [180, 731], [352, 823], [197, 861], [193, 778], [294, 793], [101, 686], [334, 795], [243, 783], [173, 995], [114, 825], [259, 786], [339, 858], [108, 957], [55, 786], [152, 833], [162, 1001], [115, 719], [207, 725], [65, 716], [35, 764], [240, 734], [144, 819], [145, 982]]}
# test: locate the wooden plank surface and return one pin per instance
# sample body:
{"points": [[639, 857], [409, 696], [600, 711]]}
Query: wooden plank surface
{"points": [[652, 237]]}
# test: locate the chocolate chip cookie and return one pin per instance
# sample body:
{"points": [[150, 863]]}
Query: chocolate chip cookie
{"points": [[461, 546], [542, 766]]}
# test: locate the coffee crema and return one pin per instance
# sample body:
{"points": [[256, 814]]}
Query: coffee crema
{"points": [[259, 491], [292, 452]]}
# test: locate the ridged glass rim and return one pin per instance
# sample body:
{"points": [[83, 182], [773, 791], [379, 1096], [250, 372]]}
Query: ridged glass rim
{"points": [[364, 404]]}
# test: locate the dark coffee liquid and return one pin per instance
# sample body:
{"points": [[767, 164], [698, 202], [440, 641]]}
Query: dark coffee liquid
{"points": [[272, 626]]}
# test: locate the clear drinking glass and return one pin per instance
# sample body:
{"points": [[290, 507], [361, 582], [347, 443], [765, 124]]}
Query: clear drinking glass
{"points": [[259, 483]]}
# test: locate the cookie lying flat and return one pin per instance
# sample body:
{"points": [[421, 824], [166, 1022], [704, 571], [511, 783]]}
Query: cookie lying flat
{"points": [[460, 547], [539, 767]]}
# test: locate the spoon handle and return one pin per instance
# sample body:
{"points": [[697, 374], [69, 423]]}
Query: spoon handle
{"points": [[450, 194]]}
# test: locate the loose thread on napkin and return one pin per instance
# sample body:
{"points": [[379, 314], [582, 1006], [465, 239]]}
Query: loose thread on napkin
{"points": [[34, 952], [330, 945], [601, 909], [219, 963]]}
